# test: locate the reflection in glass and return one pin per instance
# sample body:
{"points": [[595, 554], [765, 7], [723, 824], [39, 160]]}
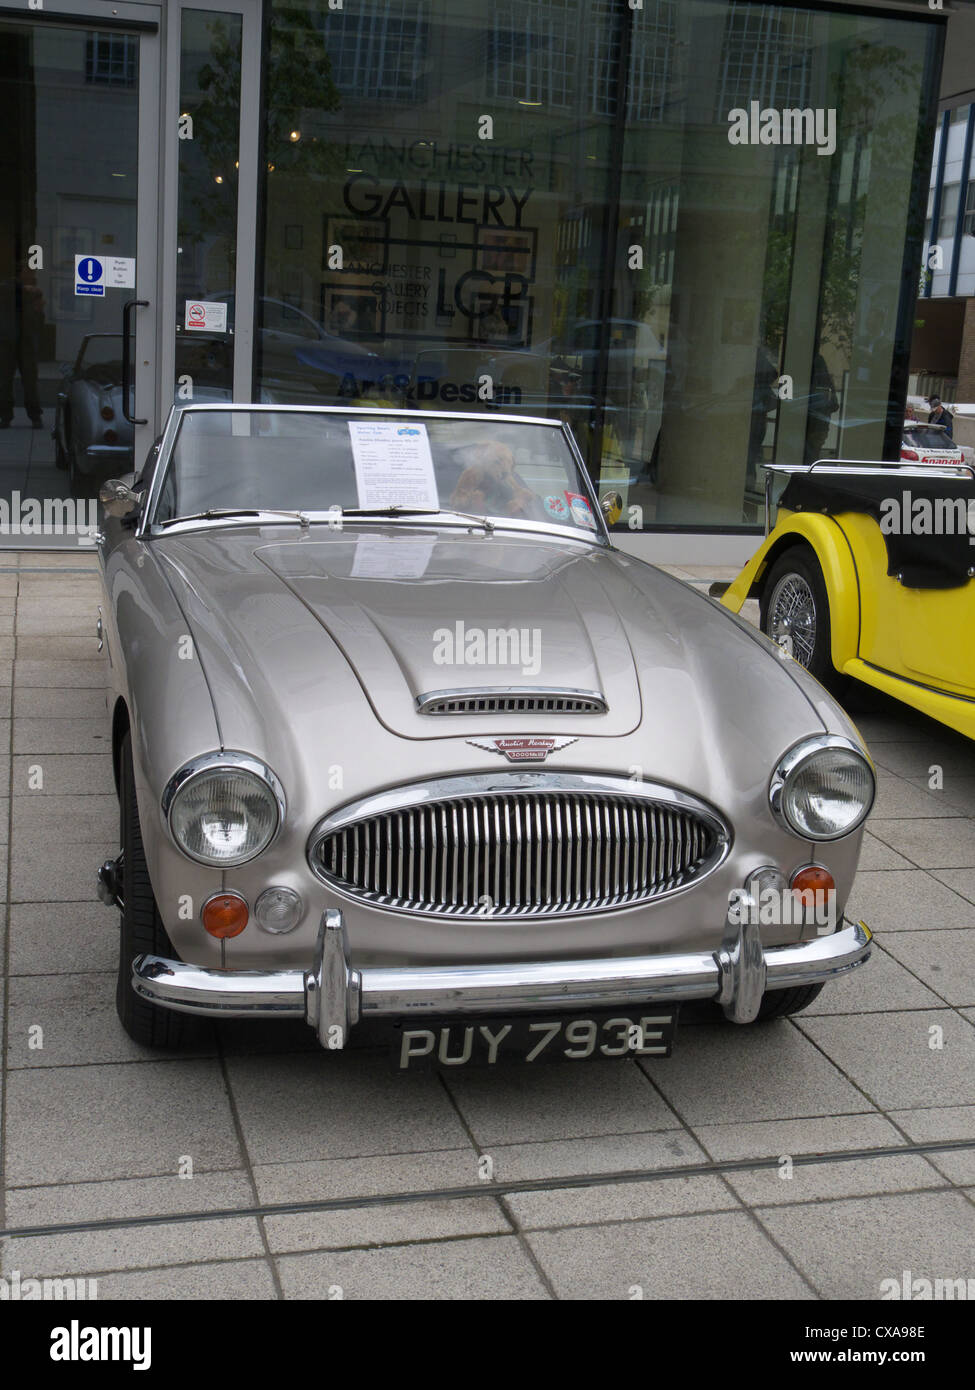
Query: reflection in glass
{"points": [[206, 252], [605, 252], [69, 116]]}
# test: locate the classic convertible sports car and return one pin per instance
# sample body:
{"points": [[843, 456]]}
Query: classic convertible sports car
{"points": [[91, 433], [869, 573], [400, 736]]}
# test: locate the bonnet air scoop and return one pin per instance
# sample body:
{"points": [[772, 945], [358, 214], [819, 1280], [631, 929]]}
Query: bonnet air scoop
{"points": [[512, 700]]}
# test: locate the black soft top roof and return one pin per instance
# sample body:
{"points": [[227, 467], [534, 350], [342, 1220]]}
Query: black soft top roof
{"points": [[916, 557]]}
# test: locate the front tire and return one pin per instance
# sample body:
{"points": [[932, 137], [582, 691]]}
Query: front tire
{"points": [[794, 612], [780, 1003], [142, 931]]}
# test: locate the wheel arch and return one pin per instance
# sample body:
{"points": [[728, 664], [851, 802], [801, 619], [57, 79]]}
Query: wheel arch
{"points": [[121, 723], [831, 548]]}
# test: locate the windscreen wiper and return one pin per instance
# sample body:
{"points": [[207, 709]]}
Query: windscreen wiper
{"points": [[215, 513], [400, 509]]}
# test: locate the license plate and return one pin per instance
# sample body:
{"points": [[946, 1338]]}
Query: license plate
{"points": [[476, 1042]]}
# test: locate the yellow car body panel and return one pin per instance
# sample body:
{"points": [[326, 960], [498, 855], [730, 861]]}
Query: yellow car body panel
{"points": [[827, 538], [916, 645]]}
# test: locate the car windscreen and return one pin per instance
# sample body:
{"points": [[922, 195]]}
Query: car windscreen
{"points": [[317, 461], [927, 439]]}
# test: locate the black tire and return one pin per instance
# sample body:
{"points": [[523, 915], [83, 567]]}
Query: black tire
{"points": [[779, 1003], [142, 931], [77, 481], [794, 604]]}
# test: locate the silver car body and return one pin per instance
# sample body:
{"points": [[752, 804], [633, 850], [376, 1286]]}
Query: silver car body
{"points": [[264, 638]]}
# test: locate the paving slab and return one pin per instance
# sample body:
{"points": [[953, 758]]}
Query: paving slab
{"points": [[326, 1105], [58, 872], [957, 792], [81, 648], [629, 1201], [78, 1124], [52, 672], [75, 736], [65, 818], [45, 702], [70, 1020], [387, 1224], [129, 1247], [718, 1255], [876, 856], [848, 1248], [63, 774], [878, 985], [949, 1122], [906, 900], [892, 1058], [494, 1269], [917, 758], [231, 1281], [945, 960], [596, 1154], [931, 844], [58, 618], [899, 798], [516, 1104], [723, 1073], [60, 938], [961, 881]]}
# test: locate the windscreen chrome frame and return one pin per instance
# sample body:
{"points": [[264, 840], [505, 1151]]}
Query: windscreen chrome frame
{"points": [[599, 536]]}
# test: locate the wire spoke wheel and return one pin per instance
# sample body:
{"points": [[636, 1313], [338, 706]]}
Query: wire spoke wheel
{"points": [[792, 617]]}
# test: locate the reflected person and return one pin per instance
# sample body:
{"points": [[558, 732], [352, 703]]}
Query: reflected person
{"points": [[21, 321]]}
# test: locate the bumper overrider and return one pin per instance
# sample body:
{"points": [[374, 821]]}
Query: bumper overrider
{"points": [[332, 997]]}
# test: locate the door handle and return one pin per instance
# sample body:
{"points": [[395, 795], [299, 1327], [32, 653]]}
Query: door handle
{"points": [[126, 354]]}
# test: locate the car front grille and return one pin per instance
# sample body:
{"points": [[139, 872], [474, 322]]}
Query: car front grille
{"points": [[491, 701], [521, 853]]}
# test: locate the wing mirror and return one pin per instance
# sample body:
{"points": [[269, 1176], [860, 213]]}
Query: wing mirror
{"points": [[118, 498], [612, 507]]}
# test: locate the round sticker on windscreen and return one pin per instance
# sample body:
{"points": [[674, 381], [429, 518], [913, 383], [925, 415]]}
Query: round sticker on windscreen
{"points": [[557, 508], [581, 510]]}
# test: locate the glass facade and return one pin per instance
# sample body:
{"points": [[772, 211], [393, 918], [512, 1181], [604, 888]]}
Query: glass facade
{"points": [[69, 160], [687, 229], [209, 163]]}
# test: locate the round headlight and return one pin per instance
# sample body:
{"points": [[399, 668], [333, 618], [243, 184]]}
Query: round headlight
{"points": [[823, 789], [223, 810]]}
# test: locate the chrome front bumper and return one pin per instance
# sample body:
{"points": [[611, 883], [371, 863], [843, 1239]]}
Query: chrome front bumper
{"points": [[333, 997]]}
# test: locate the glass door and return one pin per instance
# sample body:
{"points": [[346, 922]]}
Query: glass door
{"points": [[79, 107]]}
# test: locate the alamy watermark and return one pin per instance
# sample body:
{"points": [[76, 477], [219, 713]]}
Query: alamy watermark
{"points": [[492, 646], [54, 516], [791, 126], [908, 515], [921, 1290], [784, 907], [16, 1289]]}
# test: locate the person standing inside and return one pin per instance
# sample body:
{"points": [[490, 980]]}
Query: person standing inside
{"points": [[21, 321], [940, 415]]}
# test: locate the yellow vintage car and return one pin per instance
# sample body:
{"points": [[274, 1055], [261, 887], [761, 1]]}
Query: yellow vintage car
{"points": [[869, 573]]}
